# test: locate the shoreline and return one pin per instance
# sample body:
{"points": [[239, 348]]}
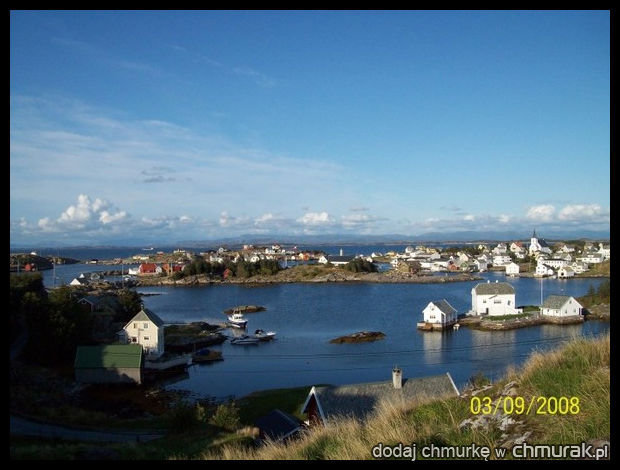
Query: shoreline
{"points": [[334, 277]]}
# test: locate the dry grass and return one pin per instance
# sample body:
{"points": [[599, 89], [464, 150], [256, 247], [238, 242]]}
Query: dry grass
{"points": [[581, 369]]}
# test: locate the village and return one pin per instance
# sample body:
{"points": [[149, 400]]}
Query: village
{"points": [[536, 259]]}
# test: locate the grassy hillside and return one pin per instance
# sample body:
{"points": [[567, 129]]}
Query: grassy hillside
{"points": [[579, 369]]}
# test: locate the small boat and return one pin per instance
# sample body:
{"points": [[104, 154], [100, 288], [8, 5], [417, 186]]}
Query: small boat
{"points": [[264, 335], [237, 320], [206, 355], [456, 326], [245, 340]]}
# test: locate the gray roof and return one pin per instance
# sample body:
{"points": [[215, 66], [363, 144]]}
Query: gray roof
{"points": [[444, 306], [359, 400], [555, 302], [278, 424], [147, 315], [494, 288]]}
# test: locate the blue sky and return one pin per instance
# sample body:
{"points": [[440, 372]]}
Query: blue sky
{"points": [[195, 125]]}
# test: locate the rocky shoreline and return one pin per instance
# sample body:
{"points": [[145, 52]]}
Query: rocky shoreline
{"points": [[479, 323], [333, 276]]}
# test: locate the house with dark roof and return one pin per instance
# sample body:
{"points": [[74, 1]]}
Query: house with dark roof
{"points": [[277, 426], [493, 298], [112, 363], [438, 314], [324, 404], [147, 330], [561, 306]]}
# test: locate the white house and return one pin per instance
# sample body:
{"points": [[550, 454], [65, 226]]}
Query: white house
{"points": [[501, 260], [79, 281], [543, 270], [591, 258], [561, 306], [500, 249], [481, 265], [555, 263], [439, 312], [565, 271], [579, 267], [604, 251], [512, 269], [496, 298], [146, 329]]}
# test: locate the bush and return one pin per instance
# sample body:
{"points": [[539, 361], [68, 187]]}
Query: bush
{"points": [[226, 416]]}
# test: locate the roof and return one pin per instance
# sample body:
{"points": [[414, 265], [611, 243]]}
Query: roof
{"points": [[444, 306], [359, 400], [146, 315], [556, 302], [494, 288], [278, 424], [341, 259], [109, 356]]}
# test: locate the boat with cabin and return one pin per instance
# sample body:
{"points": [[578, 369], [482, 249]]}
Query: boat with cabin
{"points": [[237, 320]]}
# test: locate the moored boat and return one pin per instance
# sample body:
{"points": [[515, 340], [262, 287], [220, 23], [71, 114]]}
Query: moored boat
{"points": [[237, 320], [264, 335], [245, 340]]}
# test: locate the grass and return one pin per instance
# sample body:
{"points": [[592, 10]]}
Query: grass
{"points": [[260, 403], [507, 317], [579, 369]]}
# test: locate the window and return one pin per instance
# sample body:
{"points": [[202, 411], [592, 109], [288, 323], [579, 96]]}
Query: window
{"points": [[146, 325], [134, 339], [508, 303], [497, 301], [135, 325], [146, 338]]}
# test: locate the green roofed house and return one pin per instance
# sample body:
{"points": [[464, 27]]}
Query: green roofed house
{"points": [[112, 363], [360, 400]]}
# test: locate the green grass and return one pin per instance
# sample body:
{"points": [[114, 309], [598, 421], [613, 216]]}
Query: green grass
{"points": [[260, 403], [506, 317]]}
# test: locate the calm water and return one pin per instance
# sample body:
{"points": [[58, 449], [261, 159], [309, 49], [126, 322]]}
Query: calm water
{"points": [[307, 316]]}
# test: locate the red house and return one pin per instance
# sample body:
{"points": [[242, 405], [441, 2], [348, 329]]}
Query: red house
{"points": [[148, 268]]}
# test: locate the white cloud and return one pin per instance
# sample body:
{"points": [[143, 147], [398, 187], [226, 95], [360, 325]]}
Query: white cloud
{"points": [[84, 215], [541, 213], [579, 211], [315, 218]]}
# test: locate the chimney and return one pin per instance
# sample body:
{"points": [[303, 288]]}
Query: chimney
{"points": [[397, 377]]}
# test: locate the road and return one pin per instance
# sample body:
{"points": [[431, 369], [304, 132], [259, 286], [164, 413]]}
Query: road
{"points": [[25, 427]]}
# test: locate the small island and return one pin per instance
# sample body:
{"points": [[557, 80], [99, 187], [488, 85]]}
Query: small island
{"points": [[245, 309], [359, 337]]}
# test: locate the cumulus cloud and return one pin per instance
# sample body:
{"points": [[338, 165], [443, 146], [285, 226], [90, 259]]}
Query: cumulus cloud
{"points": [[579, 211], [315, 218], [541, 213], [84, 215]]}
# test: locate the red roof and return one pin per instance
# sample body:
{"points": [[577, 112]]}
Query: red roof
{"points": [[148, 268]]}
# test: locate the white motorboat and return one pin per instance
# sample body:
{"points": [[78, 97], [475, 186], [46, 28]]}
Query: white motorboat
{"points": [[244, 340], [237, 320], [264, 335]]}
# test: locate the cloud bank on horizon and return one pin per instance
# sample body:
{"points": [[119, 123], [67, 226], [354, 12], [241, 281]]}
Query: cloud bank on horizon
{"points": [[335, 123]]}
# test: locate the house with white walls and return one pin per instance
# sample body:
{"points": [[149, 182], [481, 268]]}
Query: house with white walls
{"points": [[497, 298]]}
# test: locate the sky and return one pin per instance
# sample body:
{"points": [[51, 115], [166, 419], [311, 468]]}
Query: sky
{"points": [[197, 125]]}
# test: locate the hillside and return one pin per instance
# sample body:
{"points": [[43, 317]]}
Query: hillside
{"points": [[579, 369]]}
